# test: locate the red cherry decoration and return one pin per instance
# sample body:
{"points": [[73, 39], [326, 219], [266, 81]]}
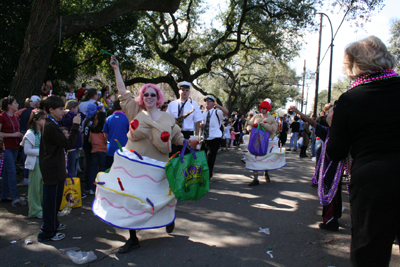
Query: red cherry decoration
{"points": [[255, 125], [165, 136], [134, 124]]}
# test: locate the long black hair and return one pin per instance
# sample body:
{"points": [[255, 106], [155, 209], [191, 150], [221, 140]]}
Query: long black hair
{"points": [[99, 121]]}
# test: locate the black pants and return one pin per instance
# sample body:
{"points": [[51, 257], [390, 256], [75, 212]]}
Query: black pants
{"points": [[176, 148], [283, 139], [52, 196], [211, 148], [333, 210]]}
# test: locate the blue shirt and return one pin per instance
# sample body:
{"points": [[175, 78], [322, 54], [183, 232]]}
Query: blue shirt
{"points": [[117, 127]]}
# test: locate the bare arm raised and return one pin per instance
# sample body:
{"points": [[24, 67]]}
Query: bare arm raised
{"points": [[118, 78], [303, 116]]}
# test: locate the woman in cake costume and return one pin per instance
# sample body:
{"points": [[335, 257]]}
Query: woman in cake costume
{"points": [[373, 142], [275, 157], [140, 199]]}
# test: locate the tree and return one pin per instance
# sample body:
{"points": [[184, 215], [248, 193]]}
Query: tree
{"points": [[338, 88], [394, 41], [247, 79], [47, 28]]}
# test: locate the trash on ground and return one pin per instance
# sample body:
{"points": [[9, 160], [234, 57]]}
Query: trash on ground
{"points": [[76, 237], [13, 242], [81, 257], [28, 242], [64, 250], [65, 212], [269, 252], [265, 230]]}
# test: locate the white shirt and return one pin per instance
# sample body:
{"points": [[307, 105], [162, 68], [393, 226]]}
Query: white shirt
{"points": [[69, 96], [188, 124], [227, 131], [215, 124]]}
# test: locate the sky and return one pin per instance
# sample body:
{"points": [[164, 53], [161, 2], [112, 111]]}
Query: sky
{"points": [[378, 26]]}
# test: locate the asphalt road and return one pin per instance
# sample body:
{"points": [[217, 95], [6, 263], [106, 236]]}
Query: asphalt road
{"points": [[221, 229]]}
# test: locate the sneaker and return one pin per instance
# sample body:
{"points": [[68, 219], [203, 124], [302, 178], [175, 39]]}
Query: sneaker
{"points": [[254, 182], [18, 202], [332, 226], [61, 227], [83, 195], [91, 192], [56, 237], [129, 245], [40, 216], [24, 182]]}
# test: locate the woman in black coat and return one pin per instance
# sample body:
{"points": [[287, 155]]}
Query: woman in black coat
{"points": [[361, 126]]}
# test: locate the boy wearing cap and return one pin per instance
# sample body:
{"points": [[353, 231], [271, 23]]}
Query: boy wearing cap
{"points": [[212, 134]]}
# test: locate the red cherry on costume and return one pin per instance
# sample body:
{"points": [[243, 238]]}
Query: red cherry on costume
{"points": [[255, 125], [165, 136], [134, 124]]}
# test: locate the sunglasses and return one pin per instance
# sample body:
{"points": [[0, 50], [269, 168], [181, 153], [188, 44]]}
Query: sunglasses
{"points": [[209, 100], [152, 95], [263, 108]]}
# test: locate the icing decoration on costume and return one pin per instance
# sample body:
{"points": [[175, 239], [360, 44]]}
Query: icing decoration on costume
{"points": [[137, 154], [120, 184], [119, 144], [165, 137], [141, 179], [101, 183], [151, 203], [273, 160], [134, 124], [271, 149]]}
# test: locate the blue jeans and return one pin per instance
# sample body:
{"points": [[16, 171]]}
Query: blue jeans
{"points": [[9, 180], [293, 140], [72, 161], [88, 168], [99, 165]]}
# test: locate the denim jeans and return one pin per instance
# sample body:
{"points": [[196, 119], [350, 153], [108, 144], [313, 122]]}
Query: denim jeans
{"points": [[99, 165], [88, 169], [9, 180], [293, 140], [73, 157]]}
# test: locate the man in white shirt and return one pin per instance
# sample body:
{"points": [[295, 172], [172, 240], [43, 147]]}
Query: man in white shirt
{"points": [[212, 133], [185, 107]]}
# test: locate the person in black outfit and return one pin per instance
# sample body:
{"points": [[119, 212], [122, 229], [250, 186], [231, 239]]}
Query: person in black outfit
{"points": [[283, 129], [373, 142], [295, 126]]}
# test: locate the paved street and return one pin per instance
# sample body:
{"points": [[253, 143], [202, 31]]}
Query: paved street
{"points": [[219, 230]]}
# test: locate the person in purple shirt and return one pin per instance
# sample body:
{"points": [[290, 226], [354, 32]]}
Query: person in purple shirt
{"points": [[116, 127]]}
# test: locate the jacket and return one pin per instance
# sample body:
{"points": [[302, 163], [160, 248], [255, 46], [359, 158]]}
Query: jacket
{"points": [[51, 154], [31, 152]]}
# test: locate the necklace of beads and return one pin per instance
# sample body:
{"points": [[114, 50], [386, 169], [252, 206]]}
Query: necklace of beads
{"points": [[377, 75]]}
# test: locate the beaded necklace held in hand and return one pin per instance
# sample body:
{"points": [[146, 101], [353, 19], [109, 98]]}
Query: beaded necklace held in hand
{"points": [[377, 75]]}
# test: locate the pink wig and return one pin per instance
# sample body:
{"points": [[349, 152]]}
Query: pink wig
{"points": [[160, 95]]}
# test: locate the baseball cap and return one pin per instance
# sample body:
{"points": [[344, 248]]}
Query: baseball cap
{"points": [[184, 84], [91, 110], [209, 97], [34, 98]]}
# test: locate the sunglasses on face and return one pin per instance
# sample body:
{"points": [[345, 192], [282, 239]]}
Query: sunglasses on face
{"points": [[263, 108], [152, 95], [209, 100]]}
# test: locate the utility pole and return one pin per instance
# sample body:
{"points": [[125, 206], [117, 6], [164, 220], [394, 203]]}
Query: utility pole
{"points": [[304, 81], [317, 71]]}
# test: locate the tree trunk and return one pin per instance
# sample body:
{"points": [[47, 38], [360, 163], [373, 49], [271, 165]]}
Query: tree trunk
{"points": [[44, 33], [40, 39]]}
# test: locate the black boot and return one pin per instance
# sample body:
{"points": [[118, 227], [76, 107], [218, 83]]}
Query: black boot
{"points": [[267, 179], [170, 227], [254, 182], [303, 152], [132, 243]]}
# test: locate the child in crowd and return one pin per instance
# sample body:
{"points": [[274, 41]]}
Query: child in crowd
{"points": [[66, 121], [31, 144], [228, 127], [52, 166], [99, 147], [65, 131], [233, 136], [70, 95]]}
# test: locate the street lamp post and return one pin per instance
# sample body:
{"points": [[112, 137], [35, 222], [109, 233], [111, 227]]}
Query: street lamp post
{"points": [[330, 66]]}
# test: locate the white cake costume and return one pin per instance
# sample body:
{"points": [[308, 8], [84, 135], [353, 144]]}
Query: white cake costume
{"points": [[140, 199], [273, 160]]}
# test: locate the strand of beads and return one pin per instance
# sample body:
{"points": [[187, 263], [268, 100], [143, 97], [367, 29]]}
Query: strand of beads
{"points": [[377, 75]]}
